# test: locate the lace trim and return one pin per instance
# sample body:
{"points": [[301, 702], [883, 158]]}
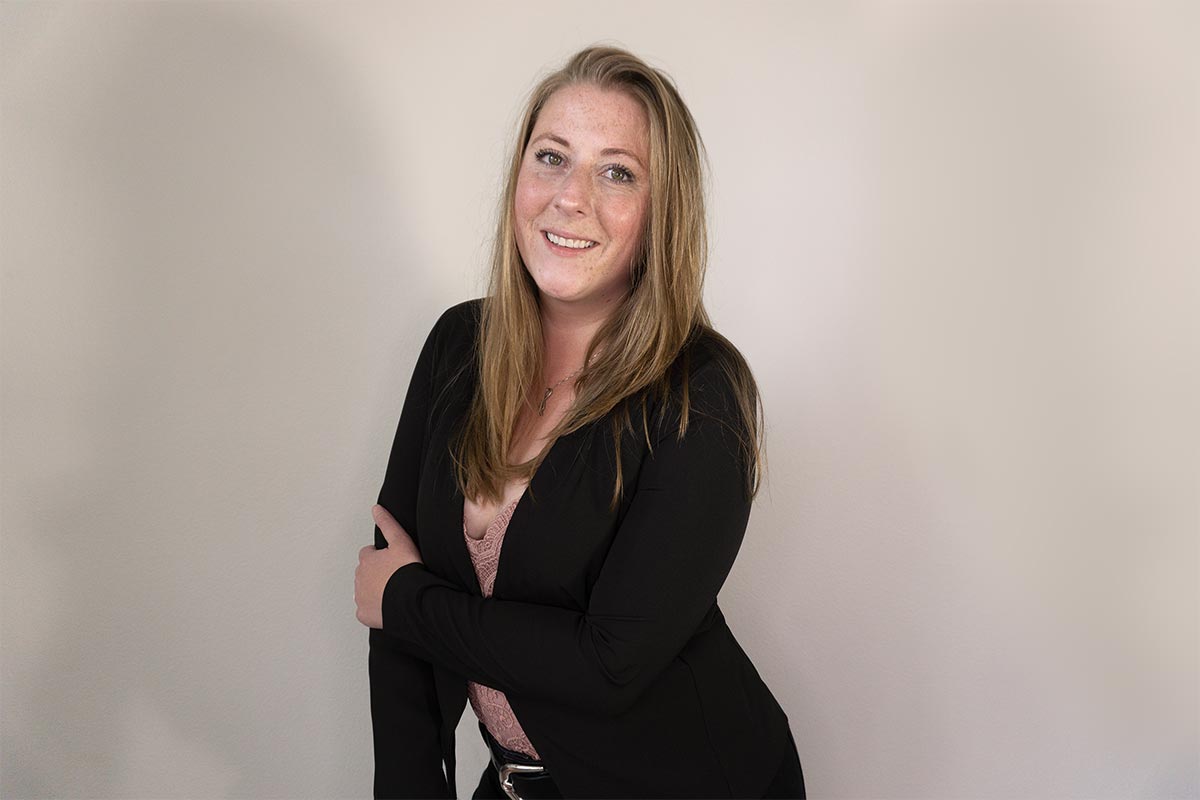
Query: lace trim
{"points": [[490, 705]]}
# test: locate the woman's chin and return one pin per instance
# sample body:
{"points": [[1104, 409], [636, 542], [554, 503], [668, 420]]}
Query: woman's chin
{"points": [[570, 294], [559, 292], [559, 300]]}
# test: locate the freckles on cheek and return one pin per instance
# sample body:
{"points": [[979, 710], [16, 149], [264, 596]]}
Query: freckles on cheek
{"points": [[527, 201], [632, 211]]}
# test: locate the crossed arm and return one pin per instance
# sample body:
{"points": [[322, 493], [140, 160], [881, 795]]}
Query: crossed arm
{"points": [[670, 557]]}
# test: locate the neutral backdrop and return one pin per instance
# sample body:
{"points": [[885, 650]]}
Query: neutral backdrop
{"points": [[956, 242]]}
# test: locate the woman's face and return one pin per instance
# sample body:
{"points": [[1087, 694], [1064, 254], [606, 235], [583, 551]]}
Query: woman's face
{"points": [[582, 196]]}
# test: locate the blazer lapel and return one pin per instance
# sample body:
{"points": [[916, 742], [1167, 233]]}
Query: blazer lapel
{"points": [[443, 546], [533, 515]]}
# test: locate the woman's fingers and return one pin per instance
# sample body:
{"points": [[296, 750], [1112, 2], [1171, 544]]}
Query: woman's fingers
{"points": [[375, 566], [388, 526]]}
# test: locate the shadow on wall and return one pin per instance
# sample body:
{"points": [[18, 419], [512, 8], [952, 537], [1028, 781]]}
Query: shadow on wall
{"points": [[216, 181]]}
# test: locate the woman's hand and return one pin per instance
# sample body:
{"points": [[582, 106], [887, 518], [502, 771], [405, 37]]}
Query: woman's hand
{"points": [[376, 566]]}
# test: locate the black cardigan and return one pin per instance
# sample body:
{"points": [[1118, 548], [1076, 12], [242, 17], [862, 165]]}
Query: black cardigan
{"points": [[603, 629]]}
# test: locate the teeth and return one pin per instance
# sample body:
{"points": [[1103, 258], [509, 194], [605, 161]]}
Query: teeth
{"points": [[578, 244]]}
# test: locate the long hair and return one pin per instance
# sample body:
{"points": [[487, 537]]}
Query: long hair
{"points": [[633, 349]]}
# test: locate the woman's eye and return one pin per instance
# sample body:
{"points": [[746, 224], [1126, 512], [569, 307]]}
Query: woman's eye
{"points": [[549, 157], [620, 174]]}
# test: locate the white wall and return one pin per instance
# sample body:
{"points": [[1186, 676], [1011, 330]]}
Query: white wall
{"points": [[957, 243]]}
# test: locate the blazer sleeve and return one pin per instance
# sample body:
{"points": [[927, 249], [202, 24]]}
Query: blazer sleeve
{"points": [[405, 719], [671, 555]]}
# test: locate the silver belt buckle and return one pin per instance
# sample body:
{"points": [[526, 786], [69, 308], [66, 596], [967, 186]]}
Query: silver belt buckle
{"points": [[508, 770]]}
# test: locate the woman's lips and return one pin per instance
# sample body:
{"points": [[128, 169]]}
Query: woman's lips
{"points": [[566, 248]]}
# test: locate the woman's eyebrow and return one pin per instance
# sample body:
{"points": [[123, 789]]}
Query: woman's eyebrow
{"points": [[618, 151], [608, 151], [553, 138]]}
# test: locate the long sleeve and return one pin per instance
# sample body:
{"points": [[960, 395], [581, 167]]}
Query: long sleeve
{"points": [[668, 560], [405, 718]]}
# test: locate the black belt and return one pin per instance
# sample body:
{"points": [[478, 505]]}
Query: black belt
{"points": [[521, 776]]}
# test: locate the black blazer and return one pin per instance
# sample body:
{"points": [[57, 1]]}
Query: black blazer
{"points": [[603, 629]]}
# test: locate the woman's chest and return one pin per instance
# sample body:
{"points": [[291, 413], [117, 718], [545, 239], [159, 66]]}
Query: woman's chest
{"points": [[558, 534], [482, 516]]}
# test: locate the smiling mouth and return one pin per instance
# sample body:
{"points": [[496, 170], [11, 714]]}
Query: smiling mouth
{"points": [[573, 244]]}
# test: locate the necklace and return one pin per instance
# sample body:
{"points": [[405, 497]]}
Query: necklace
{"points": [[550, 389]]}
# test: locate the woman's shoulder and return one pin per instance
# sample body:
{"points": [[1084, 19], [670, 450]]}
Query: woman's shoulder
{"points": [[460, 321], [709, 378], [451, 340], [709, 364], [450, 346]]}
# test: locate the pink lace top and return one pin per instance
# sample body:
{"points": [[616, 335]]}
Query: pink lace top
{"points": [[490, 705]]}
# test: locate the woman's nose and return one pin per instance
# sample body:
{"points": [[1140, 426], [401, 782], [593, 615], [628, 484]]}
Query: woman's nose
{"points": [[574, 193]]}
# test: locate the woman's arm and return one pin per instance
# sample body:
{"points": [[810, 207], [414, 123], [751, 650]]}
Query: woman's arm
{"points": [[661, 576], [405, 718], [405, 724]]}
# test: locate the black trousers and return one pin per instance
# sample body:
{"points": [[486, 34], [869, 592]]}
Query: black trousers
{"points": [[787, 783]]}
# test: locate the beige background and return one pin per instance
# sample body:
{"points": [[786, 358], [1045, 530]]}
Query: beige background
{"points": [[958, 244]]}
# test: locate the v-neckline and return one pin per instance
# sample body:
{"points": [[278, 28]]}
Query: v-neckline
{"points": [[462, 552], [491, 525]]}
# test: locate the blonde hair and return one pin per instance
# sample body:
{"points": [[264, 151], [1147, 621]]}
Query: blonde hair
{"points": [[633, 350]]}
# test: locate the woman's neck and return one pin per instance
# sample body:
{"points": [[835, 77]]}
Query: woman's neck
{"points": [[566, 337]]}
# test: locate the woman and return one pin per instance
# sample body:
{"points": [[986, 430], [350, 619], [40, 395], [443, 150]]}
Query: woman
{"points": [[570, 483]]}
